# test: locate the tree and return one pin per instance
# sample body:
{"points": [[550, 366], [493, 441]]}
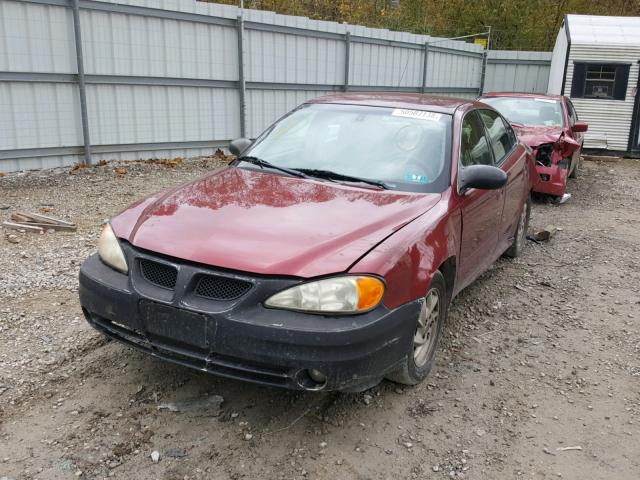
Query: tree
{"points": [[516, 24]]}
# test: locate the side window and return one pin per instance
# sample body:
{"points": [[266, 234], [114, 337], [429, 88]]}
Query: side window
{"points": [[501, 141], [573, 116], [474, 149]]}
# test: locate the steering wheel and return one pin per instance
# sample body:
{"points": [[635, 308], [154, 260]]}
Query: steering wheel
{"points": [[408, 137], [408, 140]]}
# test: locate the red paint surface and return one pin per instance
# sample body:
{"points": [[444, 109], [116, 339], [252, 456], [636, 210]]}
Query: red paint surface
{"points": [[263, 222], [266, 223]]}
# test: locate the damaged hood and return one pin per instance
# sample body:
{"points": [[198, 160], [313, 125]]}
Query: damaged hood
{"points": [[536, 135], [265, 223]]}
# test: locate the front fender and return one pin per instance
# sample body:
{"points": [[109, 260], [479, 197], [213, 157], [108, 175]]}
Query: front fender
{"points": [[408, 259]]}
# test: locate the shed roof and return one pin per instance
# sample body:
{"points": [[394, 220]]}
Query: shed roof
{"points": [[604, 30]]}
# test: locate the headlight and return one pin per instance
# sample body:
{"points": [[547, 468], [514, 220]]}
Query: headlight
{"points": [[346, 294], [109, 250]]}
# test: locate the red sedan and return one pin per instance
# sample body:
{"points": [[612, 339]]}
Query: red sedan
{"points": [[549, 125], [325, 256]]}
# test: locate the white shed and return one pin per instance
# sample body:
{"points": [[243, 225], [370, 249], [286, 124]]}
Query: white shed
{"points": [[595, 62]]}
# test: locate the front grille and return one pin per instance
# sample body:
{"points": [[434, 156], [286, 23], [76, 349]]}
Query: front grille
{"points": [[159, 274], [221, 288]]}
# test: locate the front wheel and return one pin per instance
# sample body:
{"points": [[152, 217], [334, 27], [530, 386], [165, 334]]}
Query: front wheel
{"points": [[421, 351], [515, 250]]}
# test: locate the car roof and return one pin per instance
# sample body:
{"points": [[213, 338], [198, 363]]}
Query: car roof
{"points": [[414, 101], [522, 95]]}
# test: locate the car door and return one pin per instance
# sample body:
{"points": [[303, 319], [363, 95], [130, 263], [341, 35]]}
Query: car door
{"points": [[509, 156], [481, 210]]}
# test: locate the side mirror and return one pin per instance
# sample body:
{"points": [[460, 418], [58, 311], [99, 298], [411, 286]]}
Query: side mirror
{"points": [[579, 127], [485, 177], [239, 145]]}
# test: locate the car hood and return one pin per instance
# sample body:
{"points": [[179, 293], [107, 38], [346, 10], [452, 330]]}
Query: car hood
{"points": [[534, 136], [266, 223]]}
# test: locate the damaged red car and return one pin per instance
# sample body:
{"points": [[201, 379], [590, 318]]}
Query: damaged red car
{"points": [[549, 125], [325, 256]]}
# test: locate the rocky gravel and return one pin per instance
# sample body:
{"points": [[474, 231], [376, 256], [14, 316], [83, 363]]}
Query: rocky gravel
{"points": [[538, 375]]}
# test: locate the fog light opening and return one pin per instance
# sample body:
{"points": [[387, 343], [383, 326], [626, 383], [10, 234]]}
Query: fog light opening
{"points": [[311, 379], [317, 376]]}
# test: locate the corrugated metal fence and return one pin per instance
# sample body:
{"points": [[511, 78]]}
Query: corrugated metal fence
{"points": [[513, 71], [163, 78]]}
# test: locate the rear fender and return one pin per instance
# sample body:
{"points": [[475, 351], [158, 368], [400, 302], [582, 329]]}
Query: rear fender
{"points": [[532, 175]]}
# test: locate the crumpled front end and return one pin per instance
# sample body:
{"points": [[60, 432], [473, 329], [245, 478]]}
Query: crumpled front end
{"points": [[553, 152], [552, 170]]}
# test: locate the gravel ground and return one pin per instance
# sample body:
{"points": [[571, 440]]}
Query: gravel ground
{"points": [[541, 356]]}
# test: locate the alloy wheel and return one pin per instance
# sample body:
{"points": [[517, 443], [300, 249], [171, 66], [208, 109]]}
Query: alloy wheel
{"points": [[522, 225], [424, 340]]}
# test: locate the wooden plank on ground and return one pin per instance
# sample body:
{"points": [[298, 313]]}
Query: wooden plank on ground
{"points": [[51, 226], [20, 226], [44, 219], [16, 217]]}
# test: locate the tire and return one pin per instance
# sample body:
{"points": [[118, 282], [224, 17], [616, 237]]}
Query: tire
{"points": [[420, 358], [574, 172], [520, 237]]}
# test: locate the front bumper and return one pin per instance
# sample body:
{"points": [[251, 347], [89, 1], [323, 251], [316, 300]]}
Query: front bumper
{"points": [[240, 338], [552, 180]]}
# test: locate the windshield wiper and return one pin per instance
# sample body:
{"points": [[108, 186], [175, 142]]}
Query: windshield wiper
{"points": [[264, 164], [329, 175], [307, 172]]}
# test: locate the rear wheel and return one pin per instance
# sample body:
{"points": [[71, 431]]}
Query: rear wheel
{"points": [[421, 351], [515, 250]]}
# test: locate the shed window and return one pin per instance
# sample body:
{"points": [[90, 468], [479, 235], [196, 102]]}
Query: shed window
{"points": [[600, 80]]}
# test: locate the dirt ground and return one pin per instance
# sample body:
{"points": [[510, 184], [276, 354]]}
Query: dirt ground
{"points": [[538, 375]]}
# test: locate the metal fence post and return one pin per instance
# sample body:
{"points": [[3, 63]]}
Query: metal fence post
{"points": [[484, 62], [81, 82], [347, 59], [241, 82], [425, 62]]}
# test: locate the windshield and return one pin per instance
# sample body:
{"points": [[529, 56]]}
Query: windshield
{"points": [[528, 111], [406, 149]]}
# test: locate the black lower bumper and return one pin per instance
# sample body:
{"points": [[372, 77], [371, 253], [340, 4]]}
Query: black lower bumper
{"points": [[244, 340]]}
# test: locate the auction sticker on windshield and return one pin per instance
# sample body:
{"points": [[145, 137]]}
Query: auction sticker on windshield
{"points": [[419, 114]]}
